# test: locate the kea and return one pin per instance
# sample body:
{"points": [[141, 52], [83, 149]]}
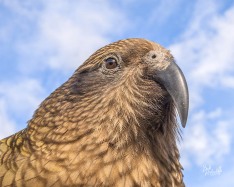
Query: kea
{"points": [[113, 123]]}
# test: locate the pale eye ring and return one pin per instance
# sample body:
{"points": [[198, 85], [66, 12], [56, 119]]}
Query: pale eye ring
{"points": [[111, 63]]}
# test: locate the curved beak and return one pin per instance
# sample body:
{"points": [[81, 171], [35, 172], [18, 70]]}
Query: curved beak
{"points": [[172, 78]]}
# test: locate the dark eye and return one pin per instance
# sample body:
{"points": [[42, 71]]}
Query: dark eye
{"points": [[154, 56], [111, 63]]}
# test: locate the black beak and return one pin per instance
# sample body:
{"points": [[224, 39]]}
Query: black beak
{"points": [[172, 78]]}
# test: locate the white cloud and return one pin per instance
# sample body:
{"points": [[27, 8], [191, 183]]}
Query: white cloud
{"points": [[159, 15], [65, 33], [21, 96], [208, 139], [217, 58], [7, 125], [18, 99], [205, 51]]}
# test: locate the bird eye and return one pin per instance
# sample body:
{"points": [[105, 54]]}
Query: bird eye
{"points": [[111, 63], [154, 56]]}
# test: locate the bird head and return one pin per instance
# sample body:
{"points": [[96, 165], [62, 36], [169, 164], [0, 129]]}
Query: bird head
{"points": [[118, 110], [129, 89]]}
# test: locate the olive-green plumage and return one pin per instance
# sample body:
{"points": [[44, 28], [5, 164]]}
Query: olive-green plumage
{"points": [[112, 123]]}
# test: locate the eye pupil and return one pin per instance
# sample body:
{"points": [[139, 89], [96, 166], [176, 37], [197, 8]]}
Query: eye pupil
{"points": [[111, 63], [154, 56]]}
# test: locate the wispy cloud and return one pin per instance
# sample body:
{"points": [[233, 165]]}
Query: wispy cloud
{"points": [[205, 51], [208, 139], [18, 100], [21, 95], [65, 33], [9, 125]]}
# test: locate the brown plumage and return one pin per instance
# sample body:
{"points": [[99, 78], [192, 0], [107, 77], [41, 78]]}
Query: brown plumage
{"points": [[112, 123]]}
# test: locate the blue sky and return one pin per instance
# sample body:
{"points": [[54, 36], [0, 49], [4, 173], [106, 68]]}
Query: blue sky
{"points": [[43, 42]]}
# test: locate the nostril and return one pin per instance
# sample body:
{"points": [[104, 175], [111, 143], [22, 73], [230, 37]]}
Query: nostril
{"points": [[154, 56]]}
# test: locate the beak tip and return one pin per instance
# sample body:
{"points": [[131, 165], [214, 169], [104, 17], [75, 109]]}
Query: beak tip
{"points": [[183, 114], [184, 117], [184, 123]]}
